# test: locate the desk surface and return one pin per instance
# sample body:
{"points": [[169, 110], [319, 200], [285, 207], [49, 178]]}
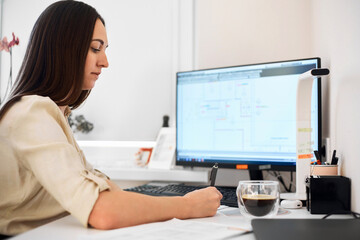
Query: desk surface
{"points": [[69, 228]]}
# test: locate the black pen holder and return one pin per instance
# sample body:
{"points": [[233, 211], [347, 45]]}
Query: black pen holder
{"points": [[328, 194]]}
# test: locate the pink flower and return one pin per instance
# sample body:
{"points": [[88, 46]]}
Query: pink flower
{"points": [[14, 41], [5, 45]]}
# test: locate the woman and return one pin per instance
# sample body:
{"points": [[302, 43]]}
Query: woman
{"points": [[43, 173]]}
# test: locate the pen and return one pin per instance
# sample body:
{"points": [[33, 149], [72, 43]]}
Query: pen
{"points": [[334, 159], [213, 174], [317, 156]]}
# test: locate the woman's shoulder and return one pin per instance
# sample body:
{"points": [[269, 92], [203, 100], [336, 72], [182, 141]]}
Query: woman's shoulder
{"points": [[36, 100], [34, 105], [31, 99], [29, 113]]}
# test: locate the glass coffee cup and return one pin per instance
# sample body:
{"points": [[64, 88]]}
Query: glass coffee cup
{"points": [[258, 199]]}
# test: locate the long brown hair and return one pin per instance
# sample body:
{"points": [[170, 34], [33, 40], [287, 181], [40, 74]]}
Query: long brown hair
{"points": [[55, 58]]}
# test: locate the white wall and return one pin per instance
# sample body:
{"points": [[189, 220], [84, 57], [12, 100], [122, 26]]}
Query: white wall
{"points": [[131, 96], [235, 32], [1, 8], [148, 44], [336, 38], [18, 19]]}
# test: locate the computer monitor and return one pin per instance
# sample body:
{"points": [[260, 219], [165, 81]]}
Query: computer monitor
{"points": [[243, 117]]}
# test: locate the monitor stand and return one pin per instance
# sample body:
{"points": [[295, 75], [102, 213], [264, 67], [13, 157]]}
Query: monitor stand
{"points": [[256, 175]]}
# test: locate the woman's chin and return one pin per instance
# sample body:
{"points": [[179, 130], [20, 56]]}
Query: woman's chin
{"points": [[89, 86]]}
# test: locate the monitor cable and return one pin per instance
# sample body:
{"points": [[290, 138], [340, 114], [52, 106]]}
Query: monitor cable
{"points": [[281, 180], [354, 214]]}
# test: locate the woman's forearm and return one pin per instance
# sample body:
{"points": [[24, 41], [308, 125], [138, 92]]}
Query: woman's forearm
{"points": [[117, 208]]}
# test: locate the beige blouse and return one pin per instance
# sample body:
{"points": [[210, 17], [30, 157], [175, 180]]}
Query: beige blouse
{"points": [[43, 172]]}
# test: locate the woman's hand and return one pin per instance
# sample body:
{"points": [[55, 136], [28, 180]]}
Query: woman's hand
{"points": [[202, 202]]}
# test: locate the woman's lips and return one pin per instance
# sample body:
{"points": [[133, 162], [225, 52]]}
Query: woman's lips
{"points": [[96, 74]]}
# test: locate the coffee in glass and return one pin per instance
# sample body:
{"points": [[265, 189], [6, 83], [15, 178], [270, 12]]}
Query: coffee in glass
{"points": [[258, 198]]}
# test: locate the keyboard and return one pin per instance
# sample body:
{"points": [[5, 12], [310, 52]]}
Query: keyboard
{"points": [[229, 193]]}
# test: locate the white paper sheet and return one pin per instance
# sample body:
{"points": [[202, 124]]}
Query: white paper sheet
{"points": [[173, 229]]}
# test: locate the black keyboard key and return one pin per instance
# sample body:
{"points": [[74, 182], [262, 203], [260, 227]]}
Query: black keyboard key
{"points": [[229, 193]]}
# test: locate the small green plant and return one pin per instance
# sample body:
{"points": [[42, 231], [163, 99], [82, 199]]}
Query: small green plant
{"points": [[78, 123]]}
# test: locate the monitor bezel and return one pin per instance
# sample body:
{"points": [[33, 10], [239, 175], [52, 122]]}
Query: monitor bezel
{"points": [[251, 166]]}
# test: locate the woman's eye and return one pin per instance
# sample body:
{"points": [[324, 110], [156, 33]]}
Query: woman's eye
{"points": [[95, 49]]}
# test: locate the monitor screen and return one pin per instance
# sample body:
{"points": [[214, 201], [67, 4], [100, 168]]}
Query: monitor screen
{"points": [[243, 116]]}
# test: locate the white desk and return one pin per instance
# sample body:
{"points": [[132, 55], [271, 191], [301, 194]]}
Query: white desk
{"points": [[69, 228]]}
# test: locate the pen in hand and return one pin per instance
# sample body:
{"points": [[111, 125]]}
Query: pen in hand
{"points": [[213, 174]]}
